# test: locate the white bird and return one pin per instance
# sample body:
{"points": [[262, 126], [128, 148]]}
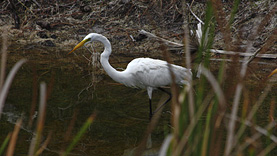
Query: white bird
{"points": [[144, 73]]}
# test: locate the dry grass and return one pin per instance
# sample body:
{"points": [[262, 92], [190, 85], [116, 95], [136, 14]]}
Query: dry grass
{"points": [[37, 146], [229, 128]]}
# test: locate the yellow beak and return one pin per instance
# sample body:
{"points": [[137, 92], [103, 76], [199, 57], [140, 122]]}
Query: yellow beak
{"points": [[79, 45], [273, 72]]}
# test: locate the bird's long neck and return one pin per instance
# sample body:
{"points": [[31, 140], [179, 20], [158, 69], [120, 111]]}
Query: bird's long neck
{"points": [[104, 59]]}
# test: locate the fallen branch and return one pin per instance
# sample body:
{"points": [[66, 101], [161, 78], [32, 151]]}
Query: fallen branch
{"points": [[180, 46], [241, 61], [267, 56], [167, 42], [194, 14]]}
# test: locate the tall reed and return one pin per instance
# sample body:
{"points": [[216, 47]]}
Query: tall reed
{"points": [[216, 127], [37, 146]]}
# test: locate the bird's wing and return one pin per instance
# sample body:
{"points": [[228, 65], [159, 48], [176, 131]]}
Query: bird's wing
{"points": [[147, 72]]}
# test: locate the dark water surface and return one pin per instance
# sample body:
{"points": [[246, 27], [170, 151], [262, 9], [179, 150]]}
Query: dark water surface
{"points": [[121, 112], [78, 88]]}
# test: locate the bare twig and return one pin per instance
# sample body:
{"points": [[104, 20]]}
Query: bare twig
{"points": [[194, 15], [270, 42], [167, 42]]}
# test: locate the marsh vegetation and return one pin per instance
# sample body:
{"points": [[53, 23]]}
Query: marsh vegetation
{"points": [[57, 104]]}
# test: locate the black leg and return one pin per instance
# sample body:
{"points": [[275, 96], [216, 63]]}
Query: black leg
{"points": [[150, 109], [165, 101], [165, 92]]}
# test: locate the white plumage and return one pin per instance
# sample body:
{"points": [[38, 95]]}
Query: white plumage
{"points": [[147, 73], [144, 73]]}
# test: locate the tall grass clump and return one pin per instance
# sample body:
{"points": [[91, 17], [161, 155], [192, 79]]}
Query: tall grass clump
{"points": [[210, 118]]}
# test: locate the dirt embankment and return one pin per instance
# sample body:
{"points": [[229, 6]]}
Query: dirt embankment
{"points": [[60, 25]]}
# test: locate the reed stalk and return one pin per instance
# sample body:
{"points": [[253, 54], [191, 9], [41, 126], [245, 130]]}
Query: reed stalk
{"points": [[14, 136], [192, 136], [79, 134], [7, 83]]}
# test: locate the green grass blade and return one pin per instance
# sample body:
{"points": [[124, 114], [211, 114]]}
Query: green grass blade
{"points": [[80, 134], [207, 132], [234, 11], [5, 143]]}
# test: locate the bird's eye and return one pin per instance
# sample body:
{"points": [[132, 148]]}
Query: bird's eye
{"points": [[87, 40]]}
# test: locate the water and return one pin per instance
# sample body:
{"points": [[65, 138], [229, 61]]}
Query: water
{"points": [[76, 88]]}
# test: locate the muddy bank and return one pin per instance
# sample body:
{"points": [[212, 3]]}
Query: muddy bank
{"points": [[60, 26]]}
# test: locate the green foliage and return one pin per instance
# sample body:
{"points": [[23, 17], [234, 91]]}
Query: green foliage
{"points": [[5, 143], [200, 134], [79, 135], [234, 11]]}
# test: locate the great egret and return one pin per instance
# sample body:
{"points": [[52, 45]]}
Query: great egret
{"points": [[144, 73]]}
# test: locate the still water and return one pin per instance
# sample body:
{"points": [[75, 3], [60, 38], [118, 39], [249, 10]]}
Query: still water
{"points": [[78, 88]]}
